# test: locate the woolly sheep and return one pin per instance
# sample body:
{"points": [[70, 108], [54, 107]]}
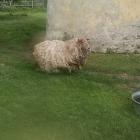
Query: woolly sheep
{"points": [[55, 55]]}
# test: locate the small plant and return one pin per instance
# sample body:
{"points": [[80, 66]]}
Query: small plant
{"points": [[136, 52], [109, 51]]}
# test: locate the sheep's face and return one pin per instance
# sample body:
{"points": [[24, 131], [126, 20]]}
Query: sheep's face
{"points": [[83, 44]]}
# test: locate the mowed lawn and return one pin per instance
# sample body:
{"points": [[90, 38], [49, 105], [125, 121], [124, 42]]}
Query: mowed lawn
{"points": [[91, 104]]}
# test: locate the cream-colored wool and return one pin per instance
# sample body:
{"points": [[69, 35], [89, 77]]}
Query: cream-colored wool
{"points": [[56, 54]]}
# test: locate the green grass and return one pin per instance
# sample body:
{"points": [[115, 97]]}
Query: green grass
{"points": [[92, 104]]}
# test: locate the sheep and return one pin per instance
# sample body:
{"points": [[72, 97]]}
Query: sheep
{"points": [[56, 54]]}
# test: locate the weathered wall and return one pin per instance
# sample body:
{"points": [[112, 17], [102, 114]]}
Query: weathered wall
{"points": [[112, 25]]}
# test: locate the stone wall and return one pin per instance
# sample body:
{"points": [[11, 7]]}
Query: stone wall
{"points": [[112, 25]]}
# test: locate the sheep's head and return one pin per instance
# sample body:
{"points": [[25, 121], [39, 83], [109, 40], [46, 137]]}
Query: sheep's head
{"points": [[83, 45]]}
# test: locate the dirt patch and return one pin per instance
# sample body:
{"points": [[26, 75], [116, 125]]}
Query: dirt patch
{"points": [[30, 45]]}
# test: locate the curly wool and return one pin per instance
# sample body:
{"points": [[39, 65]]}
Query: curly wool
{"points": [[56, 54]]}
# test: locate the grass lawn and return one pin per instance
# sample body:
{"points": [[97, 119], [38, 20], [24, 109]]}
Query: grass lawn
{"points": [[92, 104]]}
